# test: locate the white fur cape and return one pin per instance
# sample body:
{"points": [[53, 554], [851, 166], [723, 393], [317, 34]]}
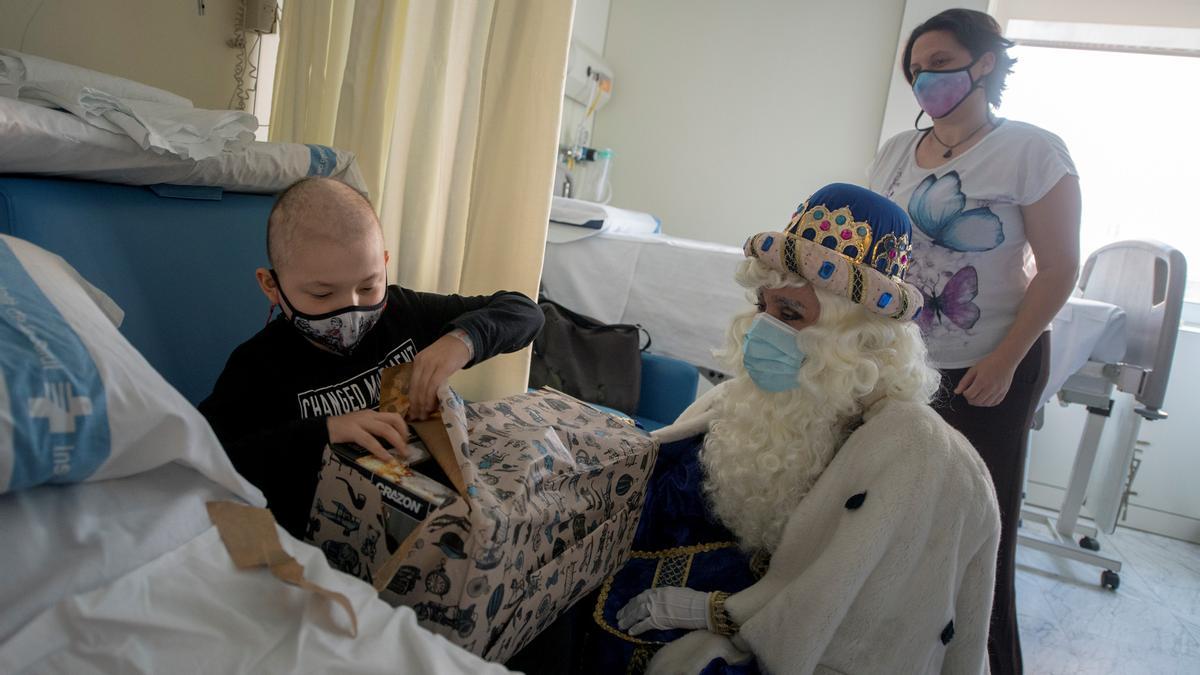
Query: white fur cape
{"points": [[899, 583]]}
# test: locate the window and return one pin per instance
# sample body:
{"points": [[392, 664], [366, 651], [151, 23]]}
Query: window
{"points": [[264, 61], [1129, 117]]}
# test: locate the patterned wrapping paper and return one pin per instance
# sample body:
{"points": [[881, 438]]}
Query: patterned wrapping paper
{"points": [[553, 494]]}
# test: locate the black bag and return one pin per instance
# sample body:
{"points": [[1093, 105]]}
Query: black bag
{"points": [[594, 362]]}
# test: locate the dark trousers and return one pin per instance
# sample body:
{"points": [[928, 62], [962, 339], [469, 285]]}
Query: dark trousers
{"points": [[559, 648], [1000, 435]]}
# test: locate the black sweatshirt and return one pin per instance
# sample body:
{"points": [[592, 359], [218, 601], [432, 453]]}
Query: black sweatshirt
{"points": [[269, 405]]}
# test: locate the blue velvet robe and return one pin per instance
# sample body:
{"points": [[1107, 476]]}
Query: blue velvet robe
{"points": [[678, 543]]}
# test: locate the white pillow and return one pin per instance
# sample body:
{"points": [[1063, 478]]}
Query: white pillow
{"points": [[17, 69], [106, 304], [77, 401]]}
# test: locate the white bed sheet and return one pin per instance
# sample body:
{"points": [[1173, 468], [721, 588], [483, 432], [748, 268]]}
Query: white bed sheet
{"points": [[1084, 330], [129, 575], [46, 142], [65, 539], [192, 611], [681, 291]]}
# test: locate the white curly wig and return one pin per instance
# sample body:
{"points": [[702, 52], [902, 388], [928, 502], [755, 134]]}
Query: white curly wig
{"points": [[765, 450]]}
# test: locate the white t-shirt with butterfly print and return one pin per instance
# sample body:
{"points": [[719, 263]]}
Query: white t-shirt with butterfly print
{"points": [[970, 256]]}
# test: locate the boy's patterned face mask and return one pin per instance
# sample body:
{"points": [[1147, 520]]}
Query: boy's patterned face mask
{"points": [[340, 330]]}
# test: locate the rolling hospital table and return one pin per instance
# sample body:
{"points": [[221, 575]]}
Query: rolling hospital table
{"points": [[1115, 348]]}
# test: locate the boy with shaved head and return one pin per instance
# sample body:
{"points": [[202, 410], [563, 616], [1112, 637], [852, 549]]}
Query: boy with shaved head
{"points": [[312, 375]]}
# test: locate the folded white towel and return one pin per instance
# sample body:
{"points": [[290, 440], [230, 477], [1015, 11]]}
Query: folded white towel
{"points": [[17, 69]]}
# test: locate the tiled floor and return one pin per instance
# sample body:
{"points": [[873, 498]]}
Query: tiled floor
{"points": [[1151, 624]]}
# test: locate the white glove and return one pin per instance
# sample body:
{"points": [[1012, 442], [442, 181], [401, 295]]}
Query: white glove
{"points": [[664, 608]]}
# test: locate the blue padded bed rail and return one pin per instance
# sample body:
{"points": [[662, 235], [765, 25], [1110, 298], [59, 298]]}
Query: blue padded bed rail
{"points": [[182, 269]]}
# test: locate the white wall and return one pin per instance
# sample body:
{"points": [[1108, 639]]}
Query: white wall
{"points": [[164, 43], [590, 27], [725, 115]]}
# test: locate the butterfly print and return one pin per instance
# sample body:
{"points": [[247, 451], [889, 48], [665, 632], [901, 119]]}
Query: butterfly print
{"points": [[936, 208], [955, 303]]}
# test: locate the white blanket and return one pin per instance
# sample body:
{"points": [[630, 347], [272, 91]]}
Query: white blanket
{"points": [[40, 141], [130, 576], [1084, 330], [186, 132], [192, 611], [681, 291], [77, 539]]}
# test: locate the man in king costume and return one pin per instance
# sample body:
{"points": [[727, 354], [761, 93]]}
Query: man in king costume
{"points": [[860, 530]]}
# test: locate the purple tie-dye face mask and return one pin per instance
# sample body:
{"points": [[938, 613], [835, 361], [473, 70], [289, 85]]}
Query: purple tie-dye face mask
{"points": [[939, 92]]}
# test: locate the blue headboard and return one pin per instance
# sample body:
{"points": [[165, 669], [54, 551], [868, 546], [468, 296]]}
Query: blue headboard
{"points": [[181, 268]]}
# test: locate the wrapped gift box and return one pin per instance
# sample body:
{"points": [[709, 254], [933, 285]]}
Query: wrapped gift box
{"points": [[504, 515]]}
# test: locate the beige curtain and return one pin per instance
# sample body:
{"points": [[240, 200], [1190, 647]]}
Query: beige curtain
{"points": [[337, 78], [452, 107]]}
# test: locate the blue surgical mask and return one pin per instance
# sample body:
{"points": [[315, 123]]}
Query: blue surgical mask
{"points": [[770, 354]]}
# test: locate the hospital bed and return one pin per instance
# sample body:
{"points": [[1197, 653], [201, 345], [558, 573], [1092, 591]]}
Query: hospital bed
{"points": [[179, 262], [1130, 297], [129, 574]]}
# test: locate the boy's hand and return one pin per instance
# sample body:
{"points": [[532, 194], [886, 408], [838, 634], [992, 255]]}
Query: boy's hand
{"points": [[365, 427], [431, 368]]}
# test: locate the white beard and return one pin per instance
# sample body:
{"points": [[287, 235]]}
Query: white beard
{"points": [[765, 451]]}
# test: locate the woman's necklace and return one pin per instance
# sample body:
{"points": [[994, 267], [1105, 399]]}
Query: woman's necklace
{"points": [[950, 148]]}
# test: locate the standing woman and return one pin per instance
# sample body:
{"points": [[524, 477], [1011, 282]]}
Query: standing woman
{"points": [[995, 211]]}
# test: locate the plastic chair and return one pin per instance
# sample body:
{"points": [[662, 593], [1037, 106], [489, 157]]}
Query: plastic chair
{"points": [[668, 387]]}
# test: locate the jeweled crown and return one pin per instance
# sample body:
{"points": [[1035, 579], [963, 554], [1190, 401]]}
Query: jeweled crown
{"points": [[837, 230]]}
